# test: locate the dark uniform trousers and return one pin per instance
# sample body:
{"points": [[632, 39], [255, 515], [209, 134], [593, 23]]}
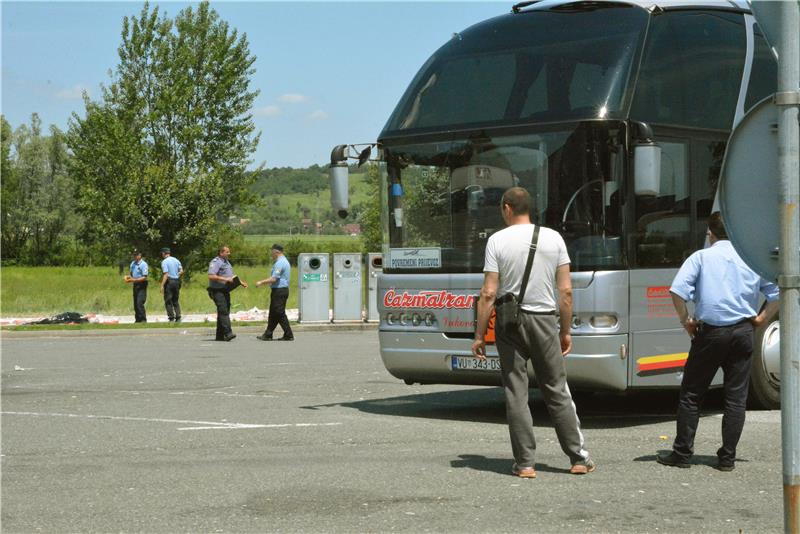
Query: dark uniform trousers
{"points": [[222, 299], [277, 312], [172, 293], [139, 299], [730, 348]]}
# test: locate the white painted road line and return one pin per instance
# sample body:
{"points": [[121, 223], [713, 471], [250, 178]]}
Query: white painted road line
{"points": [[206, 425]]}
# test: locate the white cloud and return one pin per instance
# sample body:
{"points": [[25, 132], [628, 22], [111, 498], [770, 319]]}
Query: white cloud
{"points": [[318, 115], [293, 98], [72, 93], [267, 111]]}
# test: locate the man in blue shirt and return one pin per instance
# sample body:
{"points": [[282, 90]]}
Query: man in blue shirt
{"points": [[221, 281], [279, 282], [726, 293], [138, 277], [171, 284]]}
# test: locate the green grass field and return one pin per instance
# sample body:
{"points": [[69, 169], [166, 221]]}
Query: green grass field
{"points": [[47, 291], [32, 291]]}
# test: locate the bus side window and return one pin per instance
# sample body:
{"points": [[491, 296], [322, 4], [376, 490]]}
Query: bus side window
{"points": [[691, 70], [764, 74], [707, 156], [662, 236]]}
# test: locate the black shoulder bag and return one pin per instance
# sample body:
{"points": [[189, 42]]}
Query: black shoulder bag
{"points": [[507, 307]]}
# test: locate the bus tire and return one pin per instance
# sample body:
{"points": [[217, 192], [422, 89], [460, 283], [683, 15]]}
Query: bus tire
{"points": [[765, 392]]}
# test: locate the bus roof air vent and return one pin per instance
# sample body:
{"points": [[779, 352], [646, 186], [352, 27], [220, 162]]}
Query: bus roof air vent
{"points": [[522, 5], [588, 5]]}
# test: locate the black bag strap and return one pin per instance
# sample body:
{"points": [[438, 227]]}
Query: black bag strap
{"points": [[529, 265]]}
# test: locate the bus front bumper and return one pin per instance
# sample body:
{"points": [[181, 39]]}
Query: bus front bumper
{"points": [[595, 363]]}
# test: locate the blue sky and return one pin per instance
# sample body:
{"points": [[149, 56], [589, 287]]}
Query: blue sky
{"points": [[329, 72]]}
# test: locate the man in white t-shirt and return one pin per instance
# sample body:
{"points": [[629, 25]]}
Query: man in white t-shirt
{"points": [[538, 337]]}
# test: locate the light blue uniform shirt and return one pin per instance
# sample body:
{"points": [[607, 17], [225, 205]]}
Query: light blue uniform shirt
{"points": [[139, 269], [281, 270], [221, 267], [172, 266], [724, 289]]}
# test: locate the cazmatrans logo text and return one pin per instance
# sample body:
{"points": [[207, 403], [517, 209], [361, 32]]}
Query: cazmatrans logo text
{"points": [[436, 300]]}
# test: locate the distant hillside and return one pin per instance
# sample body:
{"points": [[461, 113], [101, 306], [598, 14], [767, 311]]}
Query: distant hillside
{"points": [[288, 196]]}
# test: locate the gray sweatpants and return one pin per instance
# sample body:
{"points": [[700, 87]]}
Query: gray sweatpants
{"points": [[537, 340]]}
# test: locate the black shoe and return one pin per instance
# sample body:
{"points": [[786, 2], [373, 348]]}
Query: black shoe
{"points": [[672, 460], [286, 338], [264, 337], [229, 337], [725, 465]]}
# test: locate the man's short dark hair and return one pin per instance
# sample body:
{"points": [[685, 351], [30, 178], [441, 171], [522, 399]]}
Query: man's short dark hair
{"points": [[519, 200], [716, 226], [221, 248]]}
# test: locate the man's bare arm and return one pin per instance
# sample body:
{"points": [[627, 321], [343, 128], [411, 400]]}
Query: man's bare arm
{"points": [[564, 284]]}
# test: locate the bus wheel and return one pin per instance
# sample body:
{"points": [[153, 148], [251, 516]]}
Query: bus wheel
{"points": [[765, 384]]}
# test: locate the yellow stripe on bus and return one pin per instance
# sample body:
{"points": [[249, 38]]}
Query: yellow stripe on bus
{"points": [[663, 358]]}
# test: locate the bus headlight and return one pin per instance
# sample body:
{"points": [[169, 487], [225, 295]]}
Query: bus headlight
{"points": [[416, 319], [603, 321], [429, 319], [403, 318], [390, 318]]}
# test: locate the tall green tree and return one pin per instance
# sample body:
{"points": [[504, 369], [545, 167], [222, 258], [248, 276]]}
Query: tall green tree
{"points": [[13, 236], [38, 211], [162, 158], [369, 214]]}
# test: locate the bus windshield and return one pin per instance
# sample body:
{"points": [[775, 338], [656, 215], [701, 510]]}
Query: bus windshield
{"points": [[444, 197], [567, 63]]}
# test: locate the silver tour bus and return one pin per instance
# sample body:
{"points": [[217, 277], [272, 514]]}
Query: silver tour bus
{"points": [[615, 117]]}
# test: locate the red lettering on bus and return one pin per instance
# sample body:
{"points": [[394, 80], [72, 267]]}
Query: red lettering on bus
{"points": [[658, 292], [435, 300]]}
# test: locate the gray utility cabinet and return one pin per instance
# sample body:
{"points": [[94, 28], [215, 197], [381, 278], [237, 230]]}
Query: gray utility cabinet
{"points": [[347, 286], [314, 297], [374, 268]]}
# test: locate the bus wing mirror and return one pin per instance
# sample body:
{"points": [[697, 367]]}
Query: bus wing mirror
{"points": [[339, 177], [646, 169]]}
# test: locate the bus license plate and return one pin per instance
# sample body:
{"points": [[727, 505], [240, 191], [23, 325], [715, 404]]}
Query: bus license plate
{"points": [[469, 363]]}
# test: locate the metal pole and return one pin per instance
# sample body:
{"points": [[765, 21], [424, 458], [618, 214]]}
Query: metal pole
{"points": [[788, 100]]}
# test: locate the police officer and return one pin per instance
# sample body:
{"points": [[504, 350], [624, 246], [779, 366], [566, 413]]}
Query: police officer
{"points": [[138, 278], [171, 284], [279, 282], [220, 285], [725, 292]]}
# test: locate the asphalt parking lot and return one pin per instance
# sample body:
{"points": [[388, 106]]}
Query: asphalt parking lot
{"points": [[168, 432]]}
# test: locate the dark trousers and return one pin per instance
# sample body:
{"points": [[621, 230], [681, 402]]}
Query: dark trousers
{"points": [[728, 347], [139, 298], [222, 299], [172, 293], [277, 312]]}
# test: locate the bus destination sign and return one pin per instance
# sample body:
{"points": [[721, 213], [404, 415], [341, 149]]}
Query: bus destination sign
{"points": [[415, 258]]}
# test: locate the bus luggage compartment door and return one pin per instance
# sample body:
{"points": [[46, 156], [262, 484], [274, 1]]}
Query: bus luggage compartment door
{"points": [[659, 345]]}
